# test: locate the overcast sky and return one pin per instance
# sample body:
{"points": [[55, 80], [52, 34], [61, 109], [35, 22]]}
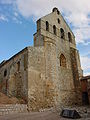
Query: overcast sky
{"points": [[17, 24]]}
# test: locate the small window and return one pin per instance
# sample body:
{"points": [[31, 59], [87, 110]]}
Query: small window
{"points": [[54, 9], [54, 29], [5, 73], [25, 61], [18, 66], [62, 33], [47, 26], [69, 37], [58, 12], [62, 60], [58, 20], [38, 24]]}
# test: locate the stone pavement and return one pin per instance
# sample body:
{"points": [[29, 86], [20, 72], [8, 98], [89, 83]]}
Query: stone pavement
{"points": [[12, 108], [32, 116], [46, 115]]}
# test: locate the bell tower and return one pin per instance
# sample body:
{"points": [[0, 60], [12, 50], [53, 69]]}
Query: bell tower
{"points": [[61, 56]]}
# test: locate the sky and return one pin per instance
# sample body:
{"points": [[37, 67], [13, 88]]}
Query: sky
{"points": [[18, 24]]}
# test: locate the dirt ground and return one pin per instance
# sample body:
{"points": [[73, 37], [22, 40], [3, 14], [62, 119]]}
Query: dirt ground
{"points": [[9, 100], [46, 115]]}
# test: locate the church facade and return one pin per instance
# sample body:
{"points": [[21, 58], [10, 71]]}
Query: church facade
{"points": [[46, 75]]}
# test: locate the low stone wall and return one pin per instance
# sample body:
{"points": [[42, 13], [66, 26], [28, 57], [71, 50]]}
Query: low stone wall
{"points": [[10, 109]]}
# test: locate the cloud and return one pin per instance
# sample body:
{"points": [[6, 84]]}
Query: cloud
{"points": [[85, 62], [76, 12], [16, 20], [34, 8], [86, 73], [82, 34], [3, 18]]}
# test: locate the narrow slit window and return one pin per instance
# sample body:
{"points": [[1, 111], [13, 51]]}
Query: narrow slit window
{"points": [[58, 21], [54, 30], [18, 66], [47, 26], [62, 33], [69, 37], [5, 73]]}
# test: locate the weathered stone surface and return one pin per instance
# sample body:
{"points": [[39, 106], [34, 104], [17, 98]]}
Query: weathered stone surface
{"points": [[15, 82]]}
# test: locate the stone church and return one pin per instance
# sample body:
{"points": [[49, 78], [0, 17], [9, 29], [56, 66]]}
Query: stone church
{"points": [[47, 74]]}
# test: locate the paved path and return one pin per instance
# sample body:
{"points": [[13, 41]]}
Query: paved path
{"points": [[32, 116], [47, 115]]}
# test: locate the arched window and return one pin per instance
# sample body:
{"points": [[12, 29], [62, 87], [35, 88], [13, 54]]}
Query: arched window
{"points": [[25, 61], [69, 37], [47, 26], [58, 20], [56, 9], [62, 33], [62, 60], [5, 73], [54, 30], [18, 66]]}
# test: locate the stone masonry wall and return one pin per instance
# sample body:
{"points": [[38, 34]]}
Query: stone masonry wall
{"points": [[76, 74], [14, 83], [41, 78], [39, 88], [63, 80]]}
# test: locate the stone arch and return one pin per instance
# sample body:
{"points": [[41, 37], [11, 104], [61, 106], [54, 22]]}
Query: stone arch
{"points": [[62, 33], [69, 37], [62, 60], [47, 26], [54, 30], [56, 9]]}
